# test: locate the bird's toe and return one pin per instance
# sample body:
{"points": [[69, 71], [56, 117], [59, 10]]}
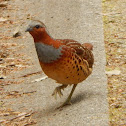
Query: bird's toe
{"points": [[57, 91]]}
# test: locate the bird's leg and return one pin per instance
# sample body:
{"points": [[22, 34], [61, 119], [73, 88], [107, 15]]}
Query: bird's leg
{"points": [[58, 91], [67, 102]]}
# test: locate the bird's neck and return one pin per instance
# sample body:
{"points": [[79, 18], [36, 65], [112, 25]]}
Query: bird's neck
{"points": [[48, 49], [45, 38], [41, 36]]}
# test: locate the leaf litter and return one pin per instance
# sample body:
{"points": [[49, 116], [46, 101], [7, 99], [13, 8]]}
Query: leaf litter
{"points": [[115, 43], [11, 60]]}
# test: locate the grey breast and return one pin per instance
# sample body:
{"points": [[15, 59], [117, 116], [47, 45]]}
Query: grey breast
{"points": [[47, 53]]}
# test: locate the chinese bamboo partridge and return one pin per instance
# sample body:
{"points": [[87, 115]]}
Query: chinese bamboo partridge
{"points": [[64, 60]]}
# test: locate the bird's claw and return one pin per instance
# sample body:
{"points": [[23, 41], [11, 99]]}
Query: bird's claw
{"points": [[65, 104], [57, 91]]}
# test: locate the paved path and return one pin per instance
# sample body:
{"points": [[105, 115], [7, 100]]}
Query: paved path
{"points": [[76, 19]]}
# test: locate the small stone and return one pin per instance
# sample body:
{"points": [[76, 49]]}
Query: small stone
{"points": [[16, 33], [6, 114], [117, 106], [2, 77], [1, 61], [3, 4]]}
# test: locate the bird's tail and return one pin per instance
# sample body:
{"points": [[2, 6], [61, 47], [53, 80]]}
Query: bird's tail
{"points": [[88, 46]]}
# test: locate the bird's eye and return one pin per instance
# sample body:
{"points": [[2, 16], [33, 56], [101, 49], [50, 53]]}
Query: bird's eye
{"points": [[37, 26]]}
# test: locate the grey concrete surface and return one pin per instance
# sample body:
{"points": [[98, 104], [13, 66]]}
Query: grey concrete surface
{"points": [[75, 19]]}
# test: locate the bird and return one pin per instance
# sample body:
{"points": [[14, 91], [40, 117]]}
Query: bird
{"points": [[66, 61]]}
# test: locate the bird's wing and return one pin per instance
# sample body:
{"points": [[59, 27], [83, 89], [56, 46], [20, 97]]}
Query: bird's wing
{"points": [[80, 49]]}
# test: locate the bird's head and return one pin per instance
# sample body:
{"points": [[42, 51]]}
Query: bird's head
{"points": [[37, 29]]}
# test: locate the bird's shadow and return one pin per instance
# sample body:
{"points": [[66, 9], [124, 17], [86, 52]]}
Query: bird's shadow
{"points": [[75, 100], [78, 98]]}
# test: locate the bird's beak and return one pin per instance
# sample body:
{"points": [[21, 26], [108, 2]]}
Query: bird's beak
{"points": [[29, 29]]}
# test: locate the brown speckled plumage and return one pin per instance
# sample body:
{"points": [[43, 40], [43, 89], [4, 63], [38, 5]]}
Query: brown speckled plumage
{"points": [[72, 61], [74, 66]]}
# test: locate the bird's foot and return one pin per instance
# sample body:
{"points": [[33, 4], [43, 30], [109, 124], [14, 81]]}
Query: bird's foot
{"points": [[65, 104], [68, 100], [58, 91]]}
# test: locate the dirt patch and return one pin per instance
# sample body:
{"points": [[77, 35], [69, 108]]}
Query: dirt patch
{"points": [[12, 59], [115, 42]]}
